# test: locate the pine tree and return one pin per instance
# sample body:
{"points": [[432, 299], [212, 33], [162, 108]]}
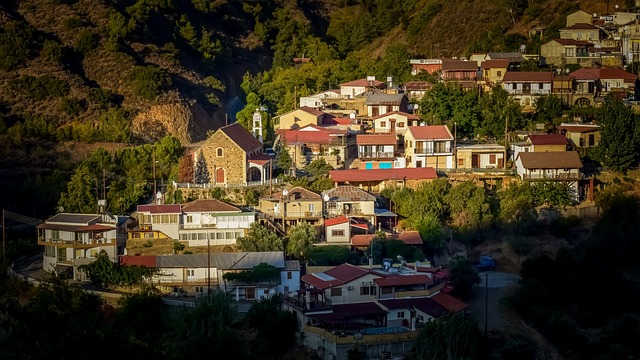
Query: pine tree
{"points": [[619, 139], [201, 171]]}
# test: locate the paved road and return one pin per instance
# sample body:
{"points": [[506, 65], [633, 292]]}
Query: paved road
{"points": [[500, 284]]}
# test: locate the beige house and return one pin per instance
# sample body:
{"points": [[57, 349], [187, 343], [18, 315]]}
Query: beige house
{"points": [[579, 17], [582, 32], [547, 143], [349, 201], [298, 205], [380, 103], [300, 117], [394, 122], [351, 89], [559, 52], [581, 135], [480, 156], [429, 146], [234, 157]]}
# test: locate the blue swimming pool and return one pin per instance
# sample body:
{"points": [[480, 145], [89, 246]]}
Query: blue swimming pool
{"points": [[384, 330]]}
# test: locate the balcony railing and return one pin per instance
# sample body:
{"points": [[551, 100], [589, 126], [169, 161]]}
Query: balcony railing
{"points": [[436, 151], [314, 305], [529, 91], [294, 214], [563, 176], [76, 244], [377, 155]]}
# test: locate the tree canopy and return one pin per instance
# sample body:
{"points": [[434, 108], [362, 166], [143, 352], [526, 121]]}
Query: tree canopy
{"points": [[259, 238]]}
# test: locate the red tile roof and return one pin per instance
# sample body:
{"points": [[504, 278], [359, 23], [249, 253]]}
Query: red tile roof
{"points": [[327, 120], [362, 240], [449, 302], [550, 139], [528, 76], [141, 260], [579, 128], [259, 158], [312, 111], [565, 42], [603, 73], [580, 26], [402, 280], [298, 194], [361, 83], [292, 137], [410, 238], [336, 221], [160, 209], [336, 276], [402, 113], [376, 139], [417, 85], [454, 65], [550, 160], [431, 132], [208, 205], [360, 175], [498, 63], [241, 137]]}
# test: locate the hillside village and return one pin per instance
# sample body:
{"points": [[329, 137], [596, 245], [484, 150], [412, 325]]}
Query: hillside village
{"points": [[372, 139]]}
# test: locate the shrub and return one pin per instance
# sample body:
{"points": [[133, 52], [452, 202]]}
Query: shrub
{"points": [[18, 43], [100, 97], [87, 41], [40, 88], [521, 245], [72, 106], [148, 81], [52, 51], [73, 22]]}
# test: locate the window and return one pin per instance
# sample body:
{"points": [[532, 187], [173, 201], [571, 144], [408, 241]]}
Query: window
{"points": [[55, 234], [540, 86], [492, 158], [499, 73], [50, 251], [386, 290], [592, 140], [289, 275], [312, 207], [219, 152], [364, 290], [460, 162], [189, 218], [337, 232], [400, 315], [336, 291], [383, 124], [191, 272], [569, 52], [400, 124], [266, 291]]}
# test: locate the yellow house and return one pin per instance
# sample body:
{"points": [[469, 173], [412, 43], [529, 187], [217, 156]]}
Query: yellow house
{"points": [[547, 143], [480, 156], [579, 17], [299, 204], [493, 71], [300, 117], [394, 122], [429, 146]]}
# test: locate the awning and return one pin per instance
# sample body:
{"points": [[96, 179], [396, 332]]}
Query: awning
{"points": [[384, 213]]}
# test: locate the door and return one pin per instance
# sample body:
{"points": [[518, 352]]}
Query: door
{"points": [[475, 161], [251, 293], [500, 163], [220, 176], [393, 125]]}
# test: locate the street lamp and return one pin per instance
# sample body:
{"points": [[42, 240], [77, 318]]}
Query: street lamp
{"points": [[285, 192]]}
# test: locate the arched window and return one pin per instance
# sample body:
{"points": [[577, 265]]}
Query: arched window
{"points": [[219, 152]]}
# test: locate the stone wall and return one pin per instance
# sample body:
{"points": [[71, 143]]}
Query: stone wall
{"points": [[233, 160]]}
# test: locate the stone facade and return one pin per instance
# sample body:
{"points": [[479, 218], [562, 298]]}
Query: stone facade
{"points": [[228, 166]]}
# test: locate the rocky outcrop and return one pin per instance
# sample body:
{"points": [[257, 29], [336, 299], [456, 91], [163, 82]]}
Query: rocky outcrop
{"points": [[187, 121]]}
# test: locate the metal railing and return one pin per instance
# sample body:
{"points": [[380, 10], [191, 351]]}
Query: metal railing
{"points": [[293, 214], [313, 305], [215, 185], [75, 243], [563, 176], [443, 150], [377, 155]]}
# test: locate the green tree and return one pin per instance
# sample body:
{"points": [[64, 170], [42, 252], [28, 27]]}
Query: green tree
{"points": [[431, 231], [80, 196], [619, 135], [330, 255], [87, 42], [469, 207], [517, 207], [395, 62], [201, 170], [452, 337], [499, 110], [548, 109], [462, 275], [284, 160], [275, 328], [245, 116], [18, 43], [300, 239], [259, 238], [148, 81]]}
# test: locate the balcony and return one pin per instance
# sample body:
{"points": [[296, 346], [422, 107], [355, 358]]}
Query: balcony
{"points": [[377, 155], [562, 176], [300, 304], [437, 151], [293, 214], [529, 91], [86, 244]]}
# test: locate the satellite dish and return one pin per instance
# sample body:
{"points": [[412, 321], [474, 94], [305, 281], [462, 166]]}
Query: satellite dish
{"points": [[60, 209], [159, 195], [285, 192], [417, 263], [326, 197], [423, 124], [352, 116]]}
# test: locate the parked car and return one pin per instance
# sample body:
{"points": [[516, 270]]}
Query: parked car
{"points": [[485, 263]]}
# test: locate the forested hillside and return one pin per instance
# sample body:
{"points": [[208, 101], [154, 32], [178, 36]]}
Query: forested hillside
{"points": [[78, 72]]}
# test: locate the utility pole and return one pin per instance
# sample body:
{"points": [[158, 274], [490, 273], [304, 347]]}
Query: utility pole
{"points": [[155, 190], [486, 302], [209, 266], [4, 242], [271, 177], [506, 139], [104, 184], [455, 145]]}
